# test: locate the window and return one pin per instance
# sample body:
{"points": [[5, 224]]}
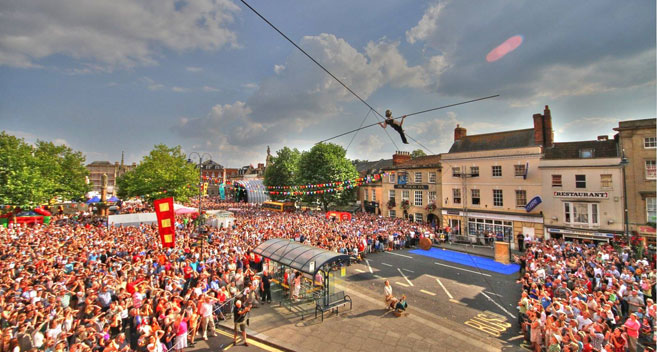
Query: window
{"points": [[521, 198], [405, 195], [650, 170], [366, 192], [581, 213], [605, 181], [391, 194], [456, 172], [497, 171], [418, 177], [476, 198], [580, 181], [498, 198], [519, 170], [432, 177], [432, 197], [586, 153], [418, 198], [474, 171], [650, 142], [456, 195], [373, 195], [556, 181], [651, 209], [391, 177], [418, 217], [392, 213]]}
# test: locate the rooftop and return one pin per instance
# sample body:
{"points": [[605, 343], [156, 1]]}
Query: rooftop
{"points": [[372, 167], [493, 141], [427, 161], [580, 150], [635, 124]]}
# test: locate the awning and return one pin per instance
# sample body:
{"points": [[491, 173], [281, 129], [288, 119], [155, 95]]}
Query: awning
{"points": [[298, 256], [255, 190]]}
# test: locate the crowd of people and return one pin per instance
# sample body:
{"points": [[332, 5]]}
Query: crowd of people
{"points": [[77, 285], [583, 297]]}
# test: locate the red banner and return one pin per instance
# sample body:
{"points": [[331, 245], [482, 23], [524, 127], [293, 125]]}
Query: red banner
{"points": [[165, 221]]}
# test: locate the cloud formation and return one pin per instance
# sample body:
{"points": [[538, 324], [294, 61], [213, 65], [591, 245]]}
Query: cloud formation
{"points": [[119, 33]]}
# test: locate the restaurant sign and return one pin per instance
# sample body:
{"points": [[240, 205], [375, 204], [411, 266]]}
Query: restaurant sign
{"points": [[597, 195]]}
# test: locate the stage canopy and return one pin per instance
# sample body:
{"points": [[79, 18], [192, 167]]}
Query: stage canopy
{"points": [[298, 256], [253, 191]]}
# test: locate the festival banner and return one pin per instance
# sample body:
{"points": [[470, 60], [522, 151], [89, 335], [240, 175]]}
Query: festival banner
{"points": [[165, 221]]}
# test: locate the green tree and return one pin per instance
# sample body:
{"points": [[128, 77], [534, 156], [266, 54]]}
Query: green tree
{"points": [[164, 172], [417, 153], [32, 175], [325, 163], [283, 170]]}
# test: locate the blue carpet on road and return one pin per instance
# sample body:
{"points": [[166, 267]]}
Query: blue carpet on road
{"points": [[468, 260]]}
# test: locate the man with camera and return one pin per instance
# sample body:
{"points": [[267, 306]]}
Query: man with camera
{"points": [[239, 316]]}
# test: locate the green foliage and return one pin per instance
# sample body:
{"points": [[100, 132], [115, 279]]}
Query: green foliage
{"points": [[324, 163], [163, 173], [33, 175], [283, 170], [417, 153]]}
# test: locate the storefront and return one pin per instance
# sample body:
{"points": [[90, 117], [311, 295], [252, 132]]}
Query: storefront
{"points": [[582, 235]]}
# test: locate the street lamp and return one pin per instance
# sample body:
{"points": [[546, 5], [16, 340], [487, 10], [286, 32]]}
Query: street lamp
{"points": [[623, 163], [200, 184]]}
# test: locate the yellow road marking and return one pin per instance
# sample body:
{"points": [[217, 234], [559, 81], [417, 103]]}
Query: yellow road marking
{"points": [[490, 323], [427, 292], [401, 284]]}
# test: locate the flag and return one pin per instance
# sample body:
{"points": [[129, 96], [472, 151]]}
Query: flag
{"points": [[165, 221]]}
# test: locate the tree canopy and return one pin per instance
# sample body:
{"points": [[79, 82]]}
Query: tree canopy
{"points": [[32, 175], [164, 172], [417, 153], [283, 170], [327, 162]]}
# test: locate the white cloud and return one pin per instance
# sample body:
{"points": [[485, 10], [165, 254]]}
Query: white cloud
{"points": [[427, 26], [210, 89], [179, 89], [193, 69], [279, 68], [250, 86], [119, 33]]}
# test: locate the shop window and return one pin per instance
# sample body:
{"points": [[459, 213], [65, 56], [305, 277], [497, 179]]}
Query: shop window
{"points": [[497, 171], [580, 181], [456, 195], [418, 217], [556, 181], [521, 198], [476, 197], [498, 198]]}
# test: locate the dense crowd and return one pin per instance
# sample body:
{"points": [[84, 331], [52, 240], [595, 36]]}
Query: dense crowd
{"points": [[584, 297], [76, 285]]}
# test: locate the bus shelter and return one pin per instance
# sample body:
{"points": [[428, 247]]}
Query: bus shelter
{"points": [[309, 261]]}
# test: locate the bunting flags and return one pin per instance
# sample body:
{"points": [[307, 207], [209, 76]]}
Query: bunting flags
{"points": [[165, 221]]}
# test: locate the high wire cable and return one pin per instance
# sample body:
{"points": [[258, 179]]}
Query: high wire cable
{"points": [[361, 125], [411, 114]]}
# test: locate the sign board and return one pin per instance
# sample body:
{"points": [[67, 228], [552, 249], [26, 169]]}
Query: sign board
{"points": [[405, 186], [585, 233], [596, 195], [401, 178], [533, 203]]}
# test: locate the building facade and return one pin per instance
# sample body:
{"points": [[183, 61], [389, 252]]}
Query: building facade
{"points": [[582, 190], [488, 179], [411, 188], [113, 172], [370, 195], [638, 145]]}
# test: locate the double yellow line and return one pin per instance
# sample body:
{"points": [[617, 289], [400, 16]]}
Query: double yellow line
{"points": [[250, 341]]}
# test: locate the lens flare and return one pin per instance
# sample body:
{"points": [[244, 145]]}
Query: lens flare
{"points": [[508, 46]]}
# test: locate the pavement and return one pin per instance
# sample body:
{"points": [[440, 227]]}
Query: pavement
{"points": [[452, 307]]}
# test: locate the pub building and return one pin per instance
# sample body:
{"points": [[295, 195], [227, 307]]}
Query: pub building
{"points": [[583, 190]]}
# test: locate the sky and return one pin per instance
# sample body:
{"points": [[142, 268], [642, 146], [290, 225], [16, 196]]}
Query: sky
{"points": [[109, 76]]}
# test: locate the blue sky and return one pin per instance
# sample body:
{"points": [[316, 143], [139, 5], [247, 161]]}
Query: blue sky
{"points": [[111, 76]]}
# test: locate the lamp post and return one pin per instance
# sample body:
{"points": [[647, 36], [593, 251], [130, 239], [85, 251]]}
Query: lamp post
{"points": [[623, 163], [200, 184]]}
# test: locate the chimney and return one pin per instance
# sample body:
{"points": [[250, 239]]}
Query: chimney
{"points": [[603, 138], [539, 137], [400, 157], [547, 124], [459, 132]]}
